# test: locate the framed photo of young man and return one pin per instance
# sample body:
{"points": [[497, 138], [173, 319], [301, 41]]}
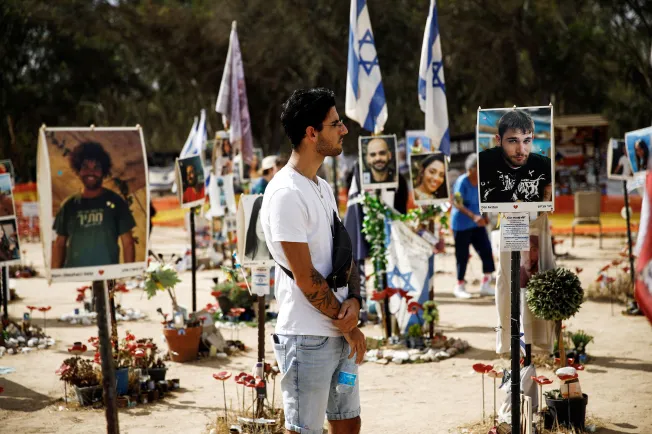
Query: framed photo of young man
{"points": [[93, 200], [515, 170], [417, 142], [190, 176], [252, 248], [378, 162], [638, 144], [429, 177], [618, 164]]}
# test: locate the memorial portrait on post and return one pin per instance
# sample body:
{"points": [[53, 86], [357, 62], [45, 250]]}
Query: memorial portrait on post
{"points": [[6, 196], [190, 170], [254, 249], [9, 246], [98, 198], [429, 175], [618, 164], [417, 142], [515, 168], [637, 145], [378, 162]]}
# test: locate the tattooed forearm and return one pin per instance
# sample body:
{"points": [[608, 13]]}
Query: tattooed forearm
{"points": [[354, 280], [321, 296]]}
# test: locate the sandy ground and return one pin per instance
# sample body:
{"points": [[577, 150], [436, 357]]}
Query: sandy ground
{"points": [[425, 398]]}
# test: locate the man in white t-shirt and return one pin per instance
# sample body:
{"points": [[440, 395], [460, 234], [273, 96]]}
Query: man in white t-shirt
{"points": [[624, 167], [316, 335]]}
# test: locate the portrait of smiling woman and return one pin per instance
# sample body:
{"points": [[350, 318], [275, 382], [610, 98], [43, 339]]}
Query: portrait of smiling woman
{"points": [[429, 182]]}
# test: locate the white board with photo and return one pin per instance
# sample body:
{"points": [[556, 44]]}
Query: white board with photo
{"points": [[429, 178], [6, 166], [618, 164], [638, 144], [378, 162], [9, 244], [516, 170], [190, 176], [252, 248], [221, 195], [93, 201]]}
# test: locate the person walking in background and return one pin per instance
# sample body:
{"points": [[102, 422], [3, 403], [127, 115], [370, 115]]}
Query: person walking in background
{"points": [[269, 168], [469, 228]]}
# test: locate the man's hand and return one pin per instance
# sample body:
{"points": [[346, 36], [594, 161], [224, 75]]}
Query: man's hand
{"points": [[358, 344], [347, 319], [479, 220]]}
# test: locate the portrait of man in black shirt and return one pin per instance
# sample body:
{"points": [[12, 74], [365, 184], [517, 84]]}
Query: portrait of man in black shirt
{"points": [[510, 171]]}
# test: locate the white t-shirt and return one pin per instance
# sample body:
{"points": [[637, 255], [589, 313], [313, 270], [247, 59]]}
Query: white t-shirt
{"points": [[294, 211], [623, 161]]}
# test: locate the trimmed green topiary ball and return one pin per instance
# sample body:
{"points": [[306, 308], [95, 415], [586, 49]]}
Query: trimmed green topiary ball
{"points": [[555, 294]]}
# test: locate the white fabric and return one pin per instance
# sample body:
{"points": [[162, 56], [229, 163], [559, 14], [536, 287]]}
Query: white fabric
{"points": [[528, 388], [293, 211], [538, 332], [432, 95], [643, 224]]}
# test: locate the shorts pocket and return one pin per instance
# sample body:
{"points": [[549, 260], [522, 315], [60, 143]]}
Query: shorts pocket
{"points": [[312, 342], [279, 353]]}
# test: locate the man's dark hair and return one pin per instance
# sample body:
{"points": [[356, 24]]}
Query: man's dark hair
{"points": [[92, 151], [516, 120], [305, 108]]}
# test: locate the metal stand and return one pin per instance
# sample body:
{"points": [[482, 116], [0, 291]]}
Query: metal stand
{"points": [[193, 256], [6, 293], [515, 341], [629, 238], [261, 394], [108, 368]]}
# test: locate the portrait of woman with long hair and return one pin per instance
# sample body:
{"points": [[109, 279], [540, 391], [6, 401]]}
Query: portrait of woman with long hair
{"points": [[255, 246], [8, 245], [642, 153], [429, 177]]}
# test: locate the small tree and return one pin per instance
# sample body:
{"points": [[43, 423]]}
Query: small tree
{"points": [[555, 295]]}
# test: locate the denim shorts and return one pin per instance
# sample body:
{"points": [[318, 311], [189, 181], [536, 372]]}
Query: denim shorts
{"points": [[311, 367]]}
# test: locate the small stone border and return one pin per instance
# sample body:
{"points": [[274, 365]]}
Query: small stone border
{"points": [[384, 356]]}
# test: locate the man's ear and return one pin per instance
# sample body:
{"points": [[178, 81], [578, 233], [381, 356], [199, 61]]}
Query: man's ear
{"points": [[498, 141], [311, 133]]}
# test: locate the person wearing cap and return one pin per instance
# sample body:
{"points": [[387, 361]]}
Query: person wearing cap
{"points": [[269, 169], [469, 228]]}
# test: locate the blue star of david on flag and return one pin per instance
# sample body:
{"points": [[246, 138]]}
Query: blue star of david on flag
{"points": [[367, 65], [404, 277], [436, 79]]}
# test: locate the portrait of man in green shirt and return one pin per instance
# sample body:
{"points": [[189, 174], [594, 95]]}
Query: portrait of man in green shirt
{"points": [[89, 223]]}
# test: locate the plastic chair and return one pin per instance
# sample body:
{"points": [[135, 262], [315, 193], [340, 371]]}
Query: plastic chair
{"points": [[587, 212]]}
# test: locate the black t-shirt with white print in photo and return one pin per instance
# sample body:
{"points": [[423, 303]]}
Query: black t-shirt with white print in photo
{"points": [[501, 183]]}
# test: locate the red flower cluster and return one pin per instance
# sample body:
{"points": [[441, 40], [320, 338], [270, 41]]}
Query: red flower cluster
{"points": [[481, 368]]}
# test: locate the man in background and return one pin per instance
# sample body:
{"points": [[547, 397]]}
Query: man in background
{"points": [[269, 169], [89, 224]]}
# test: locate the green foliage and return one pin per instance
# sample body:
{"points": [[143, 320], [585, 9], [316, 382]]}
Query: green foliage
{"points": [[430, 312], [553, 394], [160, 278], [240, 297], [555, 294], [581, 340], [415, 331]]}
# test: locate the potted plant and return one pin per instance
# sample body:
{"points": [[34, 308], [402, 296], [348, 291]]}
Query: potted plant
{"points": [[151, 363], [83, 377], [430, 314], [580, 340], [415, 337], [556, 295], [181, 334]]}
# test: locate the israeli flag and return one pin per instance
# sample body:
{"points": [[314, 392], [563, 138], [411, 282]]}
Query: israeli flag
{"points": [[197, 139], [432, 90], [365, 96], [188, 144]]}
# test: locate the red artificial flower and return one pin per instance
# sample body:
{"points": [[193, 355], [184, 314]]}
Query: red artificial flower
{"points": [[31, 308], [242, 285], [481, 368], [62, 369], [626, 269], [249, 381], [414, 307], [83, 289], [577, 366], [139, 353], [222, 375], [259, 384], [402, 292], [564, 377], [495, 374], [600, 278], [130, 337], [149, 345], [379, 295], [578, 270], [80, 298], [616, 262], [44, 308], [605, 268], [216, 294], [240, 378], [541, 380], [94, 341], [267, 368], [391, 292], [77, 347], [236, 311]]}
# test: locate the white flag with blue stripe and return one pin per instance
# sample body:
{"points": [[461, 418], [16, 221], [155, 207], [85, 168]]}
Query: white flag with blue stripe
{"points": [[191, 135], [197, 139], [432, 89], [365, 96]]}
